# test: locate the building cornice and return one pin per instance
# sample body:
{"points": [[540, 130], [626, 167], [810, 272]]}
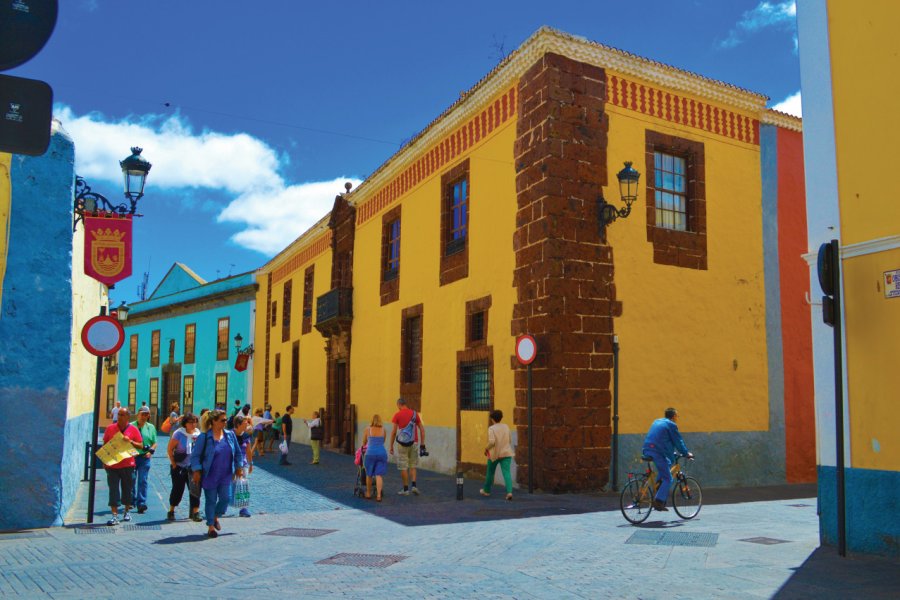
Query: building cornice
{"points": [[779, 119], [225, 298], [891, 242]]}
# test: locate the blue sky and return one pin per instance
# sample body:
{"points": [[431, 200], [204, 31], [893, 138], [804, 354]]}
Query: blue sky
{"points": [[254, 113]]}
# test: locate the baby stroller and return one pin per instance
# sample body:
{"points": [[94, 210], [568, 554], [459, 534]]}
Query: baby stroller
{"points": [[360, 488]]}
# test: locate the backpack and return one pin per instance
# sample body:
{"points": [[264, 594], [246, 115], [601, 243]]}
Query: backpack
{"points": [[407, 435]]}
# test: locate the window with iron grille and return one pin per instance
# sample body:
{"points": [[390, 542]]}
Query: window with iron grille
{"points": [[188, 388], [274, 313], [190, 342], [459, 215], [295, 374], [391, 267], [110, 398], [222, 341], [132, 394], [412, 350], [133, 352], [286, 311], [277, 365], [308, 282], [671, 191], [475, 386], [154, 393], [154, 348], [221, 389]]}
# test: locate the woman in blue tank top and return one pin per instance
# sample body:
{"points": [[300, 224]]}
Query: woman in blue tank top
{"points": [[376, 457]]}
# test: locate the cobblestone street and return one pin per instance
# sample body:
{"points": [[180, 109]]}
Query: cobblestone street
{"points": [[487, 554]]}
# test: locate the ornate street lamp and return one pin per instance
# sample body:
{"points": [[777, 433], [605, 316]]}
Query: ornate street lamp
{"points": [[629, 179], [87, 201], [238, 340]]}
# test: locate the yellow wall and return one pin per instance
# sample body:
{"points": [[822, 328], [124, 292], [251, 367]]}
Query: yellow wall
{"points": [[865, 133], [681, 329], [375, 362], [5, 206]]}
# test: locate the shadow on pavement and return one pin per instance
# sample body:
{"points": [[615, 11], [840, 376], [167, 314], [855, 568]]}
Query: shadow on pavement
{"points": [[335, 476], [827, 575], [183, 539]]}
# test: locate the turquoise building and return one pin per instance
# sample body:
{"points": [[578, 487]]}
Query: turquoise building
{"points": [[180, 344]]}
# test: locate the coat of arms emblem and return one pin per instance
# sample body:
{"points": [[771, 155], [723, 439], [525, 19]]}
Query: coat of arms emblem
{"points": [[108, 252]]}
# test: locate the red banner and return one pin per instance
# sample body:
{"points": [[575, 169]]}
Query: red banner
{"points": [[107, 248], [241, 363]]}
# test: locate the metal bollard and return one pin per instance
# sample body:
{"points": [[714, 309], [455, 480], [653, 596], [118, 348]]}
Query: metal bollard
{"points": [[459, 485]]}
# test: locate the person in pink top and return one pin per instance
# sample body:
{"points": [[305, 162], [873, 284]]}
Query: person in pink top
{"points": [[120, 476]]}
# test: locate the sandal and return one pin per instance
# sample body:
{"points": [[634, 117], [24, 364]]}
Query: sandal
{"points": [[378, 498], [509, 496], [484, 493]]}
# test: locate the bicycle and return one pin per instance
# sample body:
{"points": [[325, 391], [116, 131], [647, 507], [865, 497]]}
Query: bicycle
{"points": [[636, 501]]}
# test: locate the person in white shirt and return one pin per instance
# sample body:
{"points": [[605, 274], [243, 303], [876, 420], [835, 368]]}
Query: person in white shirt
{"points": [[315, 435], [114, 413], [499, 452]]}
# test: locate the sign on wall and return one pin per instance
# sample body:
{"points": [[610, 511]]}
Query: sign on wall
{"points": [[892, 284], [107, 248]]}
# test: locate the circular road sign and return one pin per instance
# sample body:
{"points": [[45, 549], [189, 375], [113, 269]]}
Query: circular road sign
{"points": [[526, 349], [102, 336], [25, 26]]}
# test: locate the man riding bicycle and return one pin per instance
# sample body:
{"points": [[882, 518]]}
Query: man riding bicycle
{"points": [[660, 444]]}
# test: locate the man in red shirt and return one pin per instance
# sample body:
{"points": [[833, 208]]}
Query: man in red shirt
{"points": [[120, 476], [407, 454]]}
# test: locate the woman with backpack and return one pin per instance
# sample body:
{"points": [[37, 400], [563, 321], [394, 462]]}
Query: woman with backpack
{"points": [[216, 459]]}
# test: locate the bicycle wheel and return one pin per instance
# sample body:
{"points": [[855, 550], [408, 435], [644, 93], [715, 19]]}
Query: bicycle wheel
{"points": [[636, 502], [687, 497]]}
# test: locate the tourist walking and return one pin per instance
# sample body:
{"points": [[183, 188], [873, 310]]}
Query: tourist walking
{"points": [[179, 451], [119, 476], [114, 413], [409, 433], [316, 433], [499, 452], [215, 461], [142, 460], [287, 428], [260, 423], [376, 457], [274, 433]]}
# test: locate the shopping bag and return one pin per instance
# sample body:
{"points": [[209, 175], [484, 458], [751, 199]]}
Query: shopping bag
{"points": [[166, 426], [283, 446], [240, 493]]}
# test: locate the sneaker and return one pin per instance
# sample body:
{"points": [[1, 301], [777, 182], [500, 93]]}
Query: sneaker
{"points": [[244, 512], [126, 517], [195, 517], [142, 509], [484, 493], [414, 490], [170, 516], [113, 521], [403, 493]]}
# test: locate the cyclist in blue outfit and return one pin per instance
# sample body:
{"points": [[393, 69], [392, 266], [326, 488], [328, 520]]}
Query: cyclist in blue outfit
{"points": [[660, 444]]}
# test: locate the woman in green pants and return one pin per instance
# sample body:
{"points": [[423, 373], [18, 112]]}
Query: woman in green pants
{"points": [[499, 452]]}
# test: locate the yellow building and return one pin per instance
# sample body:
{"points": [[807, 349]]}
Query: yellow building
{"points": [[498, 202], [849, 61]]}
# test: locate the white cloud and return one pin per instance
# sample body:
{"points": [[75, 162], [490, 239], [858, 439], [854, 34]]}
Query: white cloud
{"points": [[790, 105], [766, 14], [240, 165]]}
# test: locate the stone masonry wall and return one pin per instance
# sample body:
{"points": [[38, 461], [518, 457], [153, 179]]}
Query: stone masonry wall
{"points": [[564, 275]]}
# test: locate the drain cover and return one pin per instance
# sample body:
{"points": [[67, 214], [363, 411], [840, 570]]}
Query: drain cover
{"points": [[363, 560], [674, 538], [296, 532], [141, 528], [23, 534], [764, 540], [97, 529], [799, 505]]}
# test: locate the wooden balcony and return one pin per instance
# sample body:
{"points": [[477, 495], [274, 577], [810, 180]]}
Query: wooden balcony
{"points": [[334, 311]]}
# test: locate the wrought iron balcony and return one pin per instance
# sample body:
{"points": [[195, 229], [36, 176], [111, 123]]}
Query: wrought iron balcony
{"points": [[334, 309]]}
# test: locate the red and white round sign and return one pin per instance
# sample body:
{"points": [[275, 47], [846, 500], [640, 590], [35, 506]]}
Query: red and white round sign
{"points": [[102, 335], [526, 349]]}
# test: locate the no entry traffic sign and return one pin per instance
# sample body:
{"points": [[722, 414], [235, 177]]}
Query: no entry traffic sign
{"points": [[526, 349], [102, 335]]}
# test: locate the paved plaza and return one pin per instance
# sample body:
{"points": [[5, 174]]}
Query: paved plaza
{"points": [[310, 538]]}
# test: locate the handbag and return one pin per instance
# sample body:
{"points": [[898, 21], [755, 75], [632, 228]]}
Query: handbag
{"points": [[194, 487], [166, 426]]}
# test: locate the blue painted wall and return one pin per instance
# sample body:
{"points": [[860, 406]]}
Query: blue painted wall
{"points": [[36, 343], [171, 327], [872, 500]]}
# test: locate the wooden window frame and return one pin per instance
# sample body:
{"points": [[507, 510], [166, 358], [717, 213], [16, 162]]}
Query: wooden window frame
{"points": [[286, 294], [110, 397], [390, 278], [187, 403], [154, 348], [190, 343], [686, 249], [274, 313], [132, 395], [309, 280], [411, 391], [224, 402], [223, 346], [277, 365], [454, 263], [133, 351], [154, 383], [295, 373], [475, 307]]}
